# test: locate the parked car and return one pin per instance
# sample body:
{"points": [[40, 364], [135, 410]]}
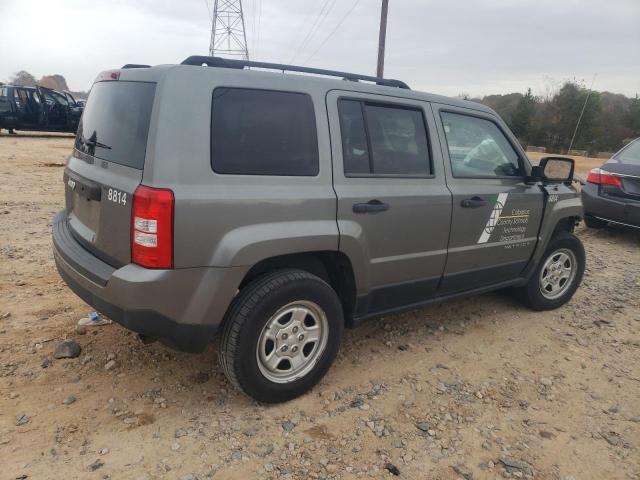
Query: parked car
{"points": [[38, 108], [278, 209], [612, 192]]}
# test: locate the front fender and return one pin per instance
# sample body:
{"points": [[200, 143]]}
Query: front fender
{"points": [[561, 202]]}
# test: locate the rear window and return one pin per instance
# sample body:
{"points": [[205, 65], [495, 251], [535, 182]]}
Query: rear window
{"points": [[263, 132], [115, 122], [629, 154]]}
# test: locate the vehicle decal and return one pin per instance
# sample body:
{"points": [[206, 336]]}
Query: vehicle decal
{"points": [[511, 227], [494, 217]]}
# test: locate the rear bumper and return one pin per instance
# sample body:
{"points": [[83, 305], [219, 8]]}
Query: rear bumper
{"points": [[604, 208], [183, 308]]}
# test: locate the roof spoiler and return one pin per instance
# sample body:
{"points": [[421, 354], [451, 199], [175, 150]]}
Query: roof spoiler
{"points": [[199, 60]]}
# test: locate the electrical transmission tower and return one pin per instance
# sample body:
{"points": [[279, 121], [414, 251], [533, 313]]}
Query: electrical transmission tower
{"points": [[228, 37]]}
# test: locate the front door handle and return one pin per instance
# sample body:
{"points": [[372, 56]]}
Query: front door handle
{"points": [[473, 202], [372, 206]]}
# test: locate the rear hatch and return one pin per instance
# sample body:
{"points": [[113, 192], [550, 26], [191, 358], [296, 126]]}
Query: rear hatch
{"points": [[106, 167]]}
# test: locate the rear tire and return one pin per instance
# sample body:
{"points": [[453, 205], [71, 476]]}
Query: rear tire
{"points": [[593, 222], [557, 276], [281, 335]]}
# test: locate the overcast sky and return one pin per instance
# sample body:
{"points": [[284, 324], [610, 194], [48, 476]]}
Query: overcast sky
{"points": [[449, 47]]}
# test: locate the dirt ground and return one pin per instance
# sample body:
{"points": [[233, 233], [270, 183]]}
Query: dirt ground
{"points": [[476, 388]]}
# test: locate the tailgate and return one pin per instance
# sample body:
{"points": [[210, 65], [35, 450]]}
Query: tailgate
{"points": [[99, 208], [106, 167]]}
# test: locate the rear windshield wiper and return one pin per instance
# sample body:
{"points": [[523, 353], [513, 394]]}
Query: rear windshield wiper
{"points": [[95, 143]]}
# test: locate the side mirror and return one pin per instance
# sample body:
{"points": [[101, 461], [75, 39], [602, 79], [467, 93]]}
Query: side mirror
{"points": [[557, 169]]}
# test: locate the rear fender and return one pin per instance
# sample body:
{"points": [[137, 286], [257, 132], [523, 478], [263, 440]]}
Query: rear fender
{"points": [[248, 245]]}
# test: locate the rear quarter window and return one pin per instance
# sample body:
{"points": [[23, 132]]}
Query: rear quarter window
{"points": [[5, 106], [263, 132]]}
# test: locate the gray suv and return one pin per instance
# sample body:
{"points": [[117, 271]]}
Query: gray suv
{"points": [[277, 209]]}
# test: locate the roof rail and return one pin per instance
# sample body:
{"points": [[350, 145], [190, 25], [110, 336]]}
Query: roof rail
{"points": [[200, 60], [135, 65]]}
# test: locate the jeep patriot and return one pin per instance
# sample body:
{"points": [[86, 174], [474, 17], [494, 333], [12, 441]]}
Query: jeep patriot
{"points": [[278, 208]]}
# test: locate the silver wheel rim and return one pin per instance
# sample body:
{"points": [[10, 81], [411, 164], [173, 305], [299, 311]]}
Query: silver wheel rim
{"points": [[557, 273], [292, 341]]}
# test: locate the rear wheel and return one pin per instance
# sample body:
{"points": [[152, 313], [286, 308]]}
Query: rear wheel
{"points": [[557, 276], [281, 335], [593, 222]]}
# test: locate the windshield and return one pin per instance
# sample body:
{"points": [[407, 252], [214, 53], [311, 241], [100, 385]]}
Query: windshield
{"points": [[629, 155], [115, 122]]}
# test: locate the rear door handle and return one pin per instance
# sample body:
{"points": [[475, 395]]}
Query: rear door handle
{"points": [[372, 206], [473, 202]]}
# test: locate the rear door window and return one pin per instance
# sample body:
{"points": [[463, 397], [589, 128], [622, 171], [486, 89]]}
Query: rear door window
{"points": [[383, 139], [263, 132], [115, 122], [355, 146]]}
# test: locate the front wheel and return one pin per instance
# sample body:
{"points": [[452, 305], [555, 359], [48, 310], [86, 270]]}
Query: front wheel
{"points": [[557, 276], [281, 335]]}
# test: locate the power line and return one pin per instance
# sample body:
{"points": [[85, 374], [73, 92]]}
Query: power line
{"points": [[582, 112], [206, 4], [302, 28], [322, 15], [355, 4]]}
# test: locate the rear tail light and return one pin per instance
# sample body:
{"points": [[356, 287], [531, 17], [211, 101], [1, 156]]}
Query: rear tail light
{"points": [[152, 227], [602, 177]]}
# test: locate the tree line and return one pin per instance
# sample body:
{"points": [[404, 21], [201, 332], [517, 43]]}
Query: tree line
{"points": [[55, 82], [609, 120]]}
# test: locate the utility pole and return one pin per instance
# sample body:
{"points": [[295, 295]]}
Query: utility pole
{"points": [[382, 37], [228, 37]]}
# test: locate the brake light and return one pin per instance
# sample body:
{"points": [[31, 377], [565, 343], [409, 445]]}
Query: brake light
{"points": [[152, 227], [108, 75], [602, 177]]}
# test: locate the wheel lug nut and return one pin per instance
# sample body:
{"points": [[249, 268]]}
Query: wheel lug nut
{"points": [[284, 348], [300, 337], [285, 336], [294, 349], [294, 329]]}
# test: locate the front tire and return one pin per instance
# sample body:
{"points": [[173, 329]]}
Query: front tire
{"points": [[281, 335], [557, 276]]}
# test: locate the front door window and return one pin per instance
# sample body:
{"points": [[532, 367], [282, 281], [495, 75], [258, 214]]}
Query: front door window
{"points": [[478, 148]]}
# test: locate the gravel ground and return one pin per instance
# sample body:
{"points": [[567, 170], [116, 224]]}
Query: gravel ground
{"points": [[475, 388]]}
